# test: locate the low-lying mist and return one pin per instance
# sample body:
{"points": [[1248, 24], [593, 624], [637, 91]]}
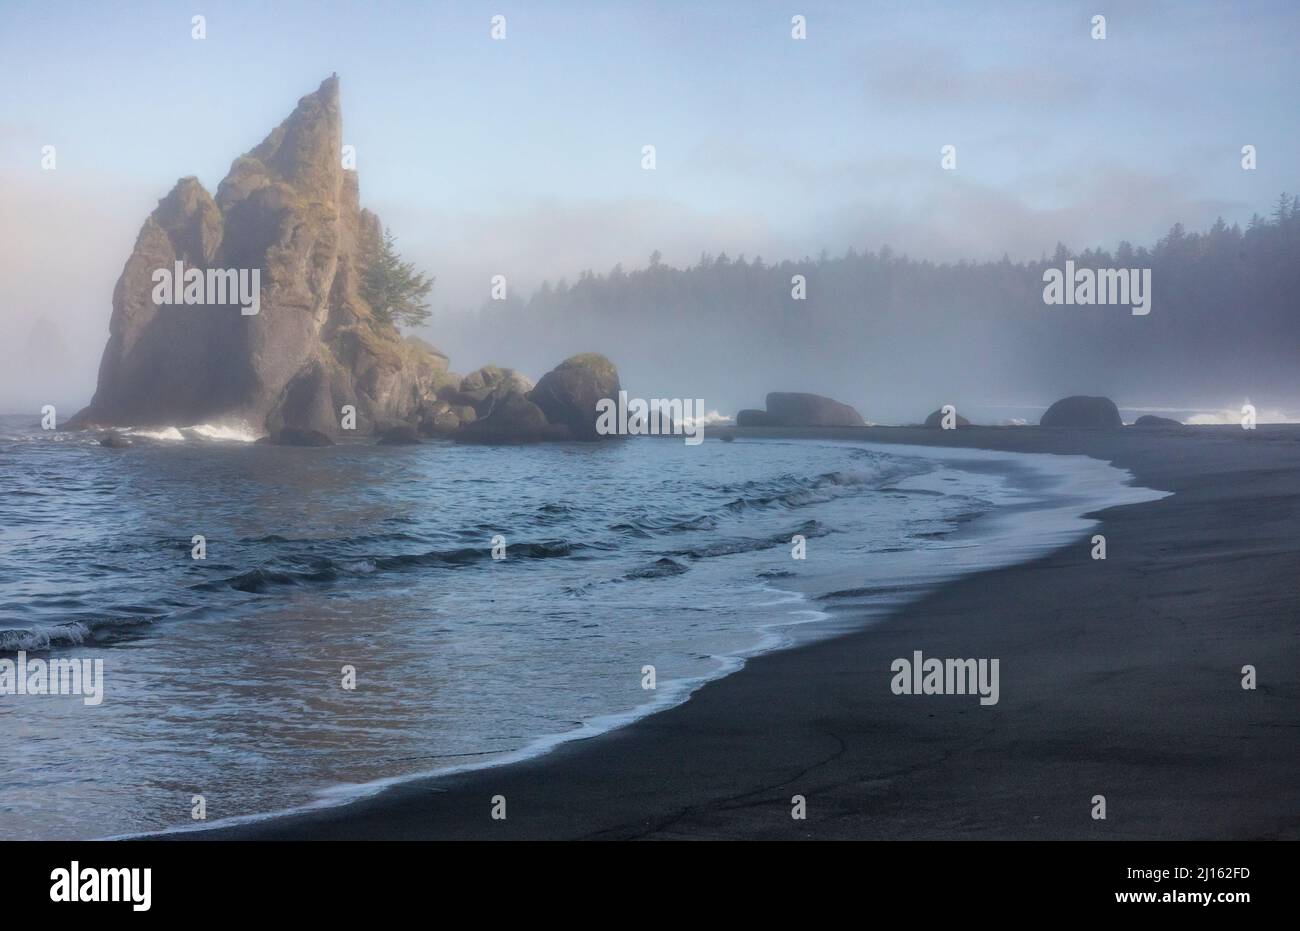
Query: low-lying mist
{"points": [[898, 337]]}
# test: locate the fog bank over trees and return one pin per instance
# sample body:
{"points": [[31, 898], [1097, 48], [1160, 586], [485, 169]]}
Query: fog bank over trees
{"points": [[897, 336]]}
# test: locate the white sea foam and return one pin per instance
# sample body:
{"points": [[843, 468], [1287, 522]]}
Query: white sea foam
{"points": [[711, 419], [42, 637], [1232, 416], [228, 432]]}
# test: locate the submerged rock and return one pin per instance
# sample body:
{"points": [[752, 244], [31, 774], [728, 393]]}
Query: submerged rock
{"points": [[113, 440], [1082, 412]]}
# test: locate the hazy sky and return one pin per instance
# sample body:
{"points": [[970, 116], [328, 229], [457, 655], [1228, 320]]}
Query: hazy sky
{"points": [[523, 157]]}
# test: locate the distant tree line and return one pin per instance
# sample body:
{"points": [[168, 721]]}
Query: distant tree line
{"points": [[1225, 319]]}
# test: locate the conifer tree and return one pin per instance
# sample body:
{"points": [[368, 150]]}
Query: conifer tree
{"points": [[394, 290]]}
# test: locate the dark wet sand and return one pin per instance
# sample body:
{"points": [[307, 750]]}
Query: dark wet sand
{"points": [[1120, 678]]}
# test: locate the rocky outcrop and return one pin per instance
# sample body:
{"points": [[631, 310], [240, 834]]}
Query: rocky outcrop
{"points": [[797, 409], [1083, 413], [1152, 422], [935, 420], [568, 394], [290, 212]]}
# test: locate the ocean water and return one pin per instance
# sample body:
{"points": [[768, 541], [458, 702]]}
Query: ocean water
{"points": [[224, 676]]}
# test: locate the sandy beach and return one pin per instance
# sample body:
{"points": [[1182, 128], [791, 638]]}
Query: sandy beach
{"points": [[1120, 678]]}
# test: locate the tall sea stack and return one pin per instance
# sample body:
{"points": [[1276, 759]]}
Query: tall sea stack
{"points": [[291, 211]]}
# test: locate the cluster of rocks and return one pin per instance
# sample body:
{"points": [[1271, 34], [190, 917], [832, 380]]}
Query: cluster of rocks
{"points": [[1078, 412], [498, 405], [1081, 412]]}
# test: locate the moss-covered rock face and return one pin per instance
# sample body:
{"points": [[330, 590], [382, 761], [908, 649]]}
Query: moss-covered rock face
{"points": [[1083, 413], [289, 210], [568, 394]]}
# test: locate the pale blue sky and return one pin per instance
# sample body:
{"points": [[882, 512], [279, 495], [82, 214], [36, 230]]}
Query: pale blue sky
{"points": [[523, 156]]}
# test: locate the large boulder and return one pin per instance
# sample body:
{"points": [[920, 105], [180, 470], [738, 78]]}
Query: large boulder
{"points": [[567, 395], [935, 420], [289, 211], [513, 419], [796, 409], [1152, 422], [1083, 413]]}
